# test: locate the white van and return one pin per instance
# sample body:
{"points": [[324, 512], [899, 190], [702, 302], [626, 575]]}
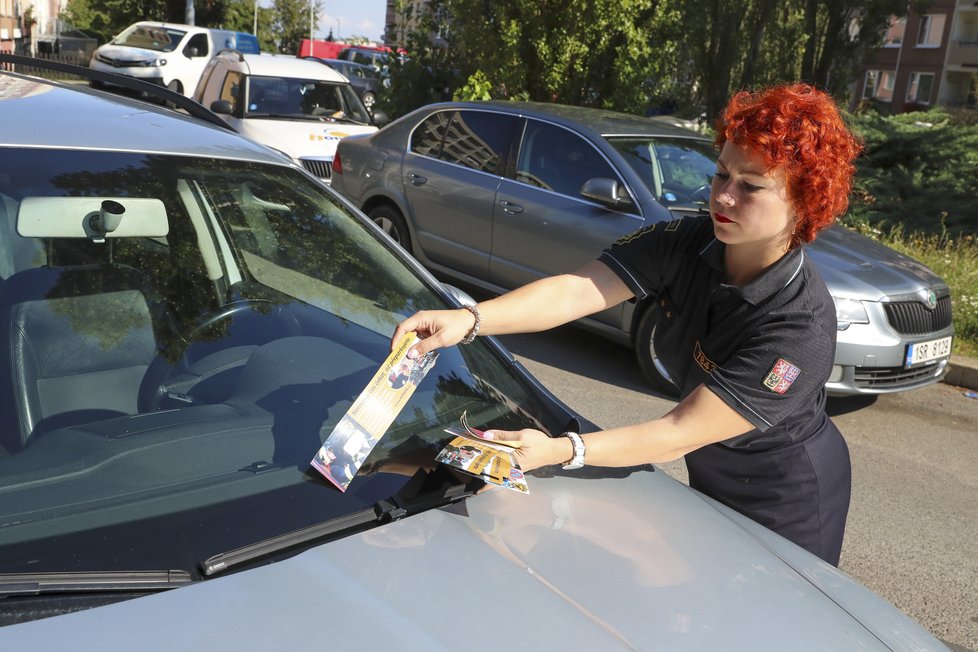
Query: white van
{"points": [[168, 54]]}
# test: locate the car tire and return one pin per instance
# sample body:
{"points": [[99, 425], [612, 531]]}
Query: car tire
{"points": [[369, 99], [647, 358], [389, 219]]}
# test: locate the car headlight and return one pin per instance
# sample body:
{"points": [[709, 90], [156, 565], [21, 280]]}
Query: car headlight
{"points": [[849, 311], [155, 63]]}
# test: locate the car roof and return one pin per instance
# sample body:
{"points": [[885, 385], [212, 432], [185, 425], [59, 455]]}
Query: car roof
{"points": [[73, 117], [268, 65], [599, 122]]}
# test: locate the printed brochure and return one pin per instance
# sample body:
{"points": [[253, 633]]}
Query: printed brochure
{"points": [[489, 460], [356, 434]]}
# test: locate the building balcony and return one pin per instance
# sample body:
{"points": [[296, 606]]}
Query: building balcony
{"points": [[963, 55]]}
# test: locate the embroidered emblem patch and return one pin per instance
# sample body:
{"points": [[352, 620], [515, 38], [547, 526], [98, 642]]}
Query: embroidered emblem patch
{"points": [[782, 374]]}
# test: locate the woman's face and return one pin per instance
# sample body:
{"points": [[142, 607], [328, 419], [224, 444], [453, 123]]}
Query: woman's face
{"points": [[748, 203]]}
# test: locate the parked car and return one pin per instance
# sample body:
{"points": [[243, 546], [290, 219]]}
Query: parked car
{"points": [[188, 314], [498, 194], [297, 106], [168, 54], [365, 79]]}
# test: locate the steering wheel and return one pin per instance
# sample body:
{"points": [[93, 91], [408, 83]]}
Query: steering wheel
{"points": [[701, 194], [199, 364]]}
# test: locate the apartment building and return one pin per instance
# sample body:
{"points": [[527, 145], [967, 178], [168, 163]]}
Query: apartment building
{"points": [[925, 59], [10, 26]]}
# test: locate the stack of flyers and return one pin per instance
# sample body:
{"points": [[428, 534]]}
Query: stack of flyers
{"points": [[488, 460]]}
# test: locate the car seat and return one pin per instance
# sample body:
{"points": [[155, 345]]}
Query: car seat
{"points": [[80, 340]]}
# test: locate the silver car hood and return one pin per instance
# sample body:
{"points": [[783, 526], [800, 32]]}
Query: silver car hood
{"points": [[858, 267], [636, 563]]}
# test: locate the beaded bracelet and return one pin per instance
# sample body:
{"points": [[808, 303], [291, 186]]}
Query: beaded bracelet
{"points": [[475, 327]]}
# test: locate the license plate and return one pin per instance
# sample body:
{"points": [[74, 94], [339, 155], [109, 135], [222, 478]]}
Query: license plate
{"points": [[922, 352]]}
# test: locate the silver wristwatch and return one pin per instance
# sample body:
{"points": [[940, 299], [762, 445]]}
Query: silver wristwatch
{"points": [[577, 461]]}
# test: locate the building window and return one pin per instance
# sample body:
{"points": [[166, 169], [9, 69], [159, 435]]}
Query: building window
{"points": [[879, 85], [894, 34], [869, 86], [931, 31], [920, 87]]}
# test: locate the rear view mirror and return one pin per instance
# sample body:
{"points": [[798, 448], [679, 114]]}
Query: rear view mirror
{"points": [[608, 192], [92, 217]]}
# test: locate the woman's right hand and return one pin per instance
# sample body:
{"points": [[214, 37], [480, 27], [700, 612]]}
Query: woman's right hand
{"points": [[436, 328]]}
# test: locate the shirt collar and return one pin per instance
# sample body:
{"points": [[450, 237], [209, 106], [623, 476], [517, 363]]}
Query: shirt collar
{"points": [[773, 280]]}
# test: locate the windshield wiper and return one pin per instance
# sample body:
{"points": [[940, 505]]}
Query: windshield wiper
{"points": [[18, 584], [383, 511]]}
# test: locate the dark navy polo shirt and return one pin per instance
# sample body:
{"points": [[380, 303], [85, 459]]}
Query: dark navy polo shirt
{"points": [[766, 349]]}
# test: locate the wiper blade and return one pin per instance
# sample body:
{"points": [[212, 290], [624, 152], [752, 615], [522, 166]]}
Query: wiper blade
{"points": [[383, 511], [15, 584]]}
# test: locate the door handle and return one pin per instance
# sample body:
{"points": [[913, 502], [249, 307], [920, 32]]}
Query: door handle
{"points": [[510, 207], [417, 179]]}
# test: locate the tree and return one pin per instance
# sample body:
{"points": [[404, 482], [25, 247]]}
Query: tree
{"points": [[606, 53], [291, 22], [106, 18]]}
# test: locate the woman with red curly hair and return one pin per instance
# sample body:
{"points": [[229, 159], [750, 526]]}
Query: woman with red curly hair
{"points": [[746, 326]]}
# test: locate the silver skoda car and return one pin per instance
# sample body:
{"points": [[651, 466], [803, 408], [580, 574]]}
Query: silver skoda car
{"points": [[498, 194], [187, 314]]}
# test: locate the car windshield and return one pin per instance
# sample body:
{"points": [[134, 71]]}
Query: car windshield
{"points": [[304, 99], [677, 171], [161, 39], [178, 354]]}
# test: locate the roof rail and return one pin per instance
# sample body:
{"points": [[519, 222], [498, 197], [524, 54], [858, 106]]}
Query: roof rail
{"points": [[231, 51], [131, 83]]}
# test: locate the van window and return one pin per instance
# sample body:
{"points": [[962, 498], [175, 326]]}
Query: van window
{"points": [[231, 90], [151, 37], [198, 42]]}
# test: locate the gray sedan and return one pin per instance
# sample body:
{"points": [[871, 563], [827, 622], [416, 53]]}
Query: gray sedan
{"points": [[498, 194]]}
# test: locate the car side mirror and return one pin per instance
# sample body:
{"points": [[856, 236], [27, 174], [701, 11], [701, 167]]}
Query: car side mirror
{"points": [[380, 118], [222, 107], [608, 192], [192, 52]]}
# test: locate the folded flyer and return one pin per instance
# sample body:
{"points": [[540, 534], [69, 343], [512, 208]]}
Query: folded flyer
{"points": [[492, 462], [356, 434]]}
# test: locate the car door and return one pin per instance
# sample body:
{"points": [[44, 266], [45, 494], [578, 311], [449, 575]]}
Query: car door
{"points": [[541, 223], [451, 171]]}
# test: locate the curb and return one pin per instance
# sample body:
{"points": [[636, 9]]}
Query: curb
{"points": [[962, 372]]}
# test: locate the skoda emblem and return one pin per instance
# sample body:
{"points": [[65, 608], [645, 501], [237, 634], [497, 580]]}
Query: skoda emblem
{"points": [[929, 297]]}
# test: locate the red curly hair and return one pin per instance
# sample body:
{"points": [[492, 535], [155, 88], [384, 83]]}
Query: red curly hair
{"points": [[798, 129]]}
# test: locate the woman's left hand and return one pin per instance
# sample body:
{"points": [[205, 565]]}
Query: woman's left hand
{"points": [[536, 448]]}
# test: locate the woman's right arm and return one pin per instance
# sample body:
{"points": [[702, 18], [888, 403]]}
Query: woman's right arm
{"points": [[535, 307]]}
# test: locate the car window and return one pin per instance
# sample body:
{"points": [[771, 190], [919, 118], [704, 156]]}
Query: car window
{"points": [[163, 386], [556, 159], [479, 140], [677, 171], [232, 89], [428, 136]]}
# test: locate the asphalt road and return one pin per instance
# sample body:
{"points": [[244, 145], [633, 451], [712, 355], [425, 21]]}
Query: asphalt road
{"points": [[912, 534]]}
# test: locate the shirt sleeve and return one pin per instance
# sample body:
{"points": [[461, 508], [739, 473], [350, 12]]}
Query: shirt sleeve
{"points": [[643, 259], [779, 371]]}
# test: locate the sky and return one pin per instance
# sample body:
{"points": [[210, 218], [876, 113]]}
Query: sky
{"points": [[355, 17]]}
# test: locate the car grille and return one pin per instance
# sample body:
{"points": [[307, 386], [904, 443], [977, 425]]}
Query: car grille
{"points": [[892, 378], [317, 166], [119, 63], [913, 317]]}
